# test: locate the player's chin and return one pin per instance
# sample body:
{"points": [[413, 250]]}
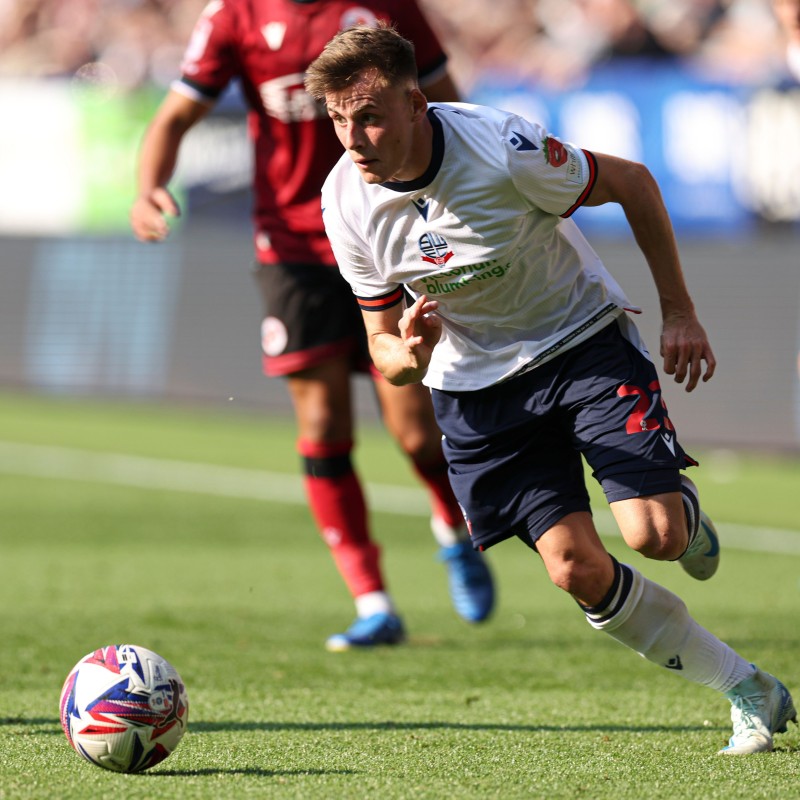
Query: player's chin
{"points": [[372, 177], [371, 172]]}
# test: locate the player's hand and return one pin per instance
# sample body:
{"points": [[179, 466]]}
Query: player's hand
{"points": [[684, 348], [420, 329], [148, 216]]}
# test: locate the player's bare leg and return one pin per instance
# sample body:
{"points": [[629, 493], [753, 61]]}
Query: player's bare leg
{"points": [[323, 408], [408, 416], [671, 527], [651, 620]]}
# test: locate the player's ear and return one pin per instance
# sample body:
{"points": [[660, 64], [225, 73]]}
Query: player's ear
{"points": [[419, 104]]}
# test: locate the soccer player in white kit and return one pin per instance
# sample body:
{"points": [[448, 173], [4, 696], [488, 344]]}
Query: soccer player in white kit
{"points": [[525, 341]]}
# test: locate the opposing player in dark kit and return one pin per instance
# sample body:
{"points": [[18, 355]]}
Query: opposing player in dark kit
{"points": [[312, 331]]}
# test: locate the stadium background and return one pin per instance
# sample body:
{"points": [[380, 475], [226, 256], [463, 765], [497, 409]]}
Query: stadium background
{"points": [[697, 90]]}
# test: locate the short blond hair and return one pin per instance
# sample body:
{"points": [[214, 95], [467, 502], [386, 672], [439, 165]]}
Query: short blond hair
{"points": [[379, 50]]}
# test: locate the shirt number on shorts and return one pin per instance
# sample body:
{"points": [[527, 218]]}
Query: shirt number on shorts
{"points": [[649, 399]]}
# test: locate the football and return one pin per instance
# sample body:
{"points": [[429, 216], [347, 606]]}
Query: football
{"points": [[124, 708]]}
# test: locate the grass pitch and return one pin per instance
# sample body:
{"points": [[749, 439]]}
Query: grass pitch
{"points": [[185, 532]]}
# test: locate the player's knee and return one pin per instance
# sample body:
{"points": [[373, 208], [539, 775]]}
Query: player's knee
{"points": [[419, 443], [659, 542], [585, 580]]}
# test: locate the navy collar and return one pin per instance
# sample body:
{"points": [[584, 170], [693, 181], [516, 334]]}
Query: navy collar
{"points": [[437, 156]]}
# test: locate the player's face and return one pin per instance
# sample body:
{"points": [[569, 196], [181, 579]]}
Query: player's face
{"points": [[378, 127]]}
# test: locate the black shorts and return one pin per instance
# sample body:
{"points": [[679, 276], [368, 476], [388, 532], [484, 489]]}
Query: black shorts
{"points": [[310, 316], [515, 448]]}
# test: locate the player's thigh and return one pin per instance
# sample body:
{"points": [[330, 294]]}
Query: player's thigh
{"points": [[322, 400]]}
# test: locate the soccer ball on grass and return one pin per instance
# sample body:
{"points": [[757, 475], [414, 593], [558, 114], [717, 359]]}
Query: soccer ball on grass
{"points": [[124, 708]]}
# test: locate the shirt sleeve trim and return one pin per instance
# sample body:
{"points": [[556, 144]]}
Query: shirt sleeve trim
{"points": [[195, 91], [381, 303], [592, 161]]}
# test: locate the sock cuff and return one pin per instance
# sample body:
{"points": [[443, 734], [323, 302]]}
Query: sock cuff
{"points": [[691, 507], [618, 602], [325, 460]]}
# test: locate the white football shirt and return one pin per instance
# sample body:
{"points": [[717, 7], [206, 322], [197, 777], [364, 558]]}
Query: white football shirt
{"points": [[485, 231]]}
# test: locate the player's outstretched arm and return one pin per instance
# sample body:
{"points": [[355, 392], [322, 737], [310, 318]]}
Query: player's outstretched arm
{"points": [[684, 343], [158, 156], [401, 341]]}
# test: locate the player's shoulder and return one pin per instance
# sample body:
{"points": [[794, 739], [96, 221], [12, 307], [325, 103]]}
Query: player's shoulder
{"points": [[471, 114], [515, 132], [475, 122]]}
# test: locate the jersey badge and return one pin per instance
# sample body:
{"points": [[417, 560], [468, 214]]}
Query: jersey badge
{"points": [[273, 33], [274, 336], [554, 152], [422, 205], [435, 249], [520, 143]]}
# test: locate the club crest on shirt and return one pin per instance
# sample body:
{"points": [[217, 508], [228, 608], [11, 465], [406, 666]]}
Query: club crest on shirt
{"points": [[435, 249], [555, 153]]}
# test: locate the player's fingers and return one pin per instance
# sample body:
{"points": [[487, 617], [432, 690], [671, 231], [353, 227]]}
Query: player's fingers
{"points": [[668, 353], [147, 221], [682, 364], [429, 306], [711, 364], [695, 370], [699, 353], [165, 201]]}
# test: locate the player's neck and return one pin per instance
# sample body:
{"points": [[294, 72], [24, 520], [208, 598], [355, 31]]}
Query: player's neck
{"points": [[420, 152]]}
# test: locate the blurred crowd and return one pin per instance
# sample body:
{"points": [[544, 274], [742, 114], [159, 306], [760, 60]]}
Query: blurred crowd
{"points": [[555, 42], [127, 42], [558, 42]]}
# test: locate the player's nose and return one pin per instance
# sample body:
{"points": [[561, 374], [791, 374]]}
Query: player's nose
{"points": [[353, 137]]}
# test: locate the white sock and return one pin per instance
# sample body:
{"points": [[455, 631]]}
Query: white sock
{"points": [[373, 603], [445, 535], [656, 624]]}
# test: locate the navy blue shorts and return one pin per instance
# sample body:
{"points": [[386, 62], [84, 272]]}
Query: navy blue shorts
{"points": [[515, 448]]}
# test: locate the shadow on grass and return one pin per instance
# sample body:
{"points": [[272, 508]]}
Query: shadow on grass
{"points": [[259, 773], [196, 727], [389, 725]]}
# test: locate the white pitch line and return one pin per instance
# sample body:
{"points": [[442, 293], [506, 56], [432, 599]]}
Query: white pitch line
{"points": [[64, 463]]}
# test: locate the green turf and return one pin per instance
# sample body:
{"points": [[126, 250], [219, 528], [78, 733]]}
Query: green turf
{"points": [[239, 594]]}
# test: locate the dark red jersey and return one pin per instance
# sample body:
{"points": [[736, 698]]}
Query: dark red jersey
{"points": [[267, 45]]}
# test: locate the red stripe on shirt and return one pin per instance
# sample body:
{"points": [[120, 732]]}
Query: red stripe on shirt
{"points": [[382, 302]]}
